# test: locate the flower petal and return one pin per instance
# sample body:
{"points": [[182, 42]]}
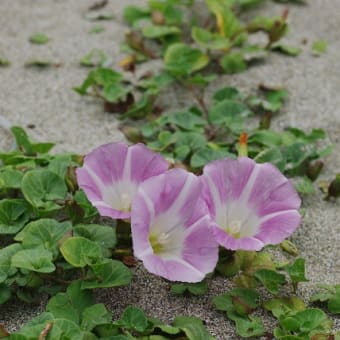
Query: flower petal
{"points": [[109, 176], [249, 203], [232, 243], [171, 227], [279, 226], [226, 179], [172, 269], [272, 191]]}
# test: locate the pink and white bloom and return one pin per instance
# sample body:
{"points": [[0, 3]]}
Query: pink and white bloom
{"points": [[171, 227], [252, 204], [112, 173]]}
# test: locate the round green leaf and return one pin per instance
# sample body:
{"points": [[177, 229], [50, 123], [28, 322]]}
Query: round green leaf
{"points": [[14, 213], [134, 318], [38, 260], [181, 59], [44, 232], [79, 251], [210, 40], [157, 31], [41, 187], [108, 273]]}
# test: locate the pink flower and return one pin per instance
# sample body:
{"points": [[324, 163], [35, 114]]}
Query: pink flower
{"points": [[252, 204], [171, 227], [112, 173]]}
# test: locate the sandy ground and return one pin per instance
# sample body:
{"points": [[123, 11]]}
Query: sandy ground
{"points": [[44, 98]]}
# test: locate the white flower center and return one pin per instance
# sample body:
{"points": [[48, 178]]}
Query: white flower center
{"points": [[237, 220], [118, 196], [125, 202], [166, 241], [234, 228]]}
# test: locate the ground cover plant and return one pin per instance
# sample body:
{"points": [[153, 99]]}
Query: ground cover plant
{"points": [[206, 191]]}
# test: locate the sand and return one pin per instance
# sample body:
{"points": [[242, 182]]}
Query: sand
{"points": [[44, 98]]}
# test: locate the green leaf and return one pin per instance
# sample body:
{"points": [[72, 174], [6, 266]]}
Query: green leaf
{"points": [[87, 208], [267, 138], [156, 31], [223, 302], [230, 93], [199, 288], [45, 233], [274, 99], [182, 151], [132, 14], [133, 318], [210, 40], [193, 140], [239, 300], [42, 187], [14, 214], [284, 306], [331, 295], [289, 247], [95, 315], [304, 186], [182, 60], [292, 51], [25, 145], [249, 326], [66, 329], [253, 53], [233, 63], [270, 279], [244, 300], [37, 260], [79, 251], [230, 113], [108, 273], [5, 293], [95, 57], [115, 92], [165, 139], [59, 164], [10, 179], [103, 235], [272, 155], [206, 155], [296, 271], [39, 38], [319, 47], [70, 305], [104, 77], [306, 321], [227, 23], [6, 254], [334, 302], [185, 120], [192, 327]]}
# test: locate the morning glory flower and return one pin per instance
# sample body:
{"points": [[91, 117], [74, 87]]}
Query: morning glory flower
{"points": [[171, 227], [252, 204], [111, 174]]}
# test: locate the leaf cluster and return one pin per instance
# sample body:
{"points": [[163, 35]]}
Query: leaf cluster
{"points": [[297, 322], [200, 134], [75, 315], [220, 39], [50, 232]]}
